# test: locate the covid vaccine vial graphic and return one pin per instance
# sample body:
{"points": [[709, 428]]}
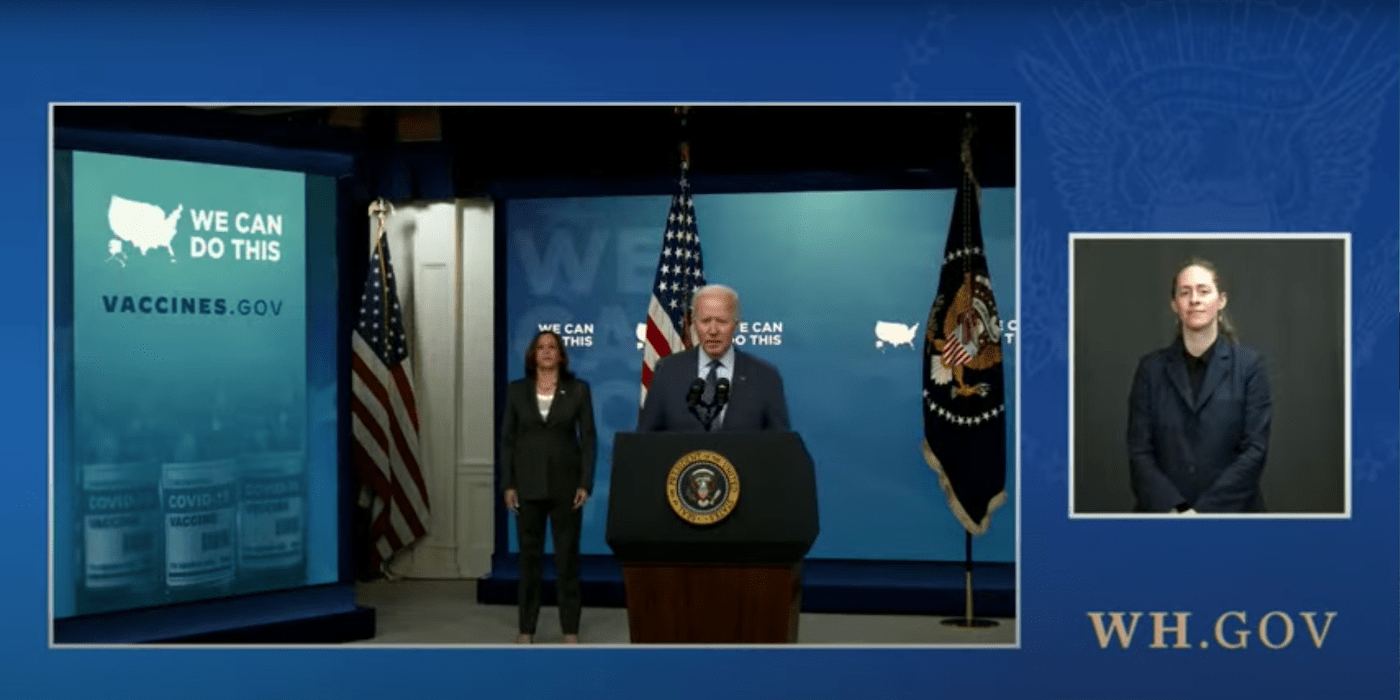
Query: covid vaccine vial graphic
{"points": [[121, 512], [273, 500], [199, 494], [272, 521], [119, 555]]}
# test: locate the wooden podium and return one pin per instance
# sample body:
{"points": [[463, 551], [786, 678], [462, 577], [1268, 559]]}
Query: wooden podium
{"points": [[713, 604], [730, 570]]}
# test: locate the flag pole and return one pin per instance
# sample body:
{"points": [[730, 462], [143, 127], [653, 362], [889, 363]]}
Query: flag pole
{"points": [[687, 338], [967, 621], [381, 208]]}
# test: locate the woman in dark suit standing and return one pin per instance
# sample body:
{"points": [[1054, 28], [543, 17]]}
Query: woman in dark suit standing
{"points": [[548, 446], [1199, 412]]}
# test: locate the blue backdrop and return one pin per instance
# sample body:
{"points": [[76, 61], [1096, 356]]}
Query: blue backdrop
{"points": [[816, 271], [1173, 116]]}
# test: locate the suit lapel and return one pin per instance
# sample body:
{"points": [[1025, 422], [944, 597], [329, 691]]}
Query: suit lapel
{"points": [[1176, 370], [680, 378], [1216, 371], [738, 379], [555, 408], [527, 398]]}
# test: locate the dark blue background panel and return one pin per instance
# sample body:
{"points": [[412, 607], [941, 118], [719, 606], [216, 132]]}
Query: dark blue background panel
{"points": [[1170, 117]]}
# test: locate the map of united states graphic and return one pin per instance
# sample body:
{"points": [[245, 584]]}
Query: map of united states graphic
{"points": [[143, 225]]}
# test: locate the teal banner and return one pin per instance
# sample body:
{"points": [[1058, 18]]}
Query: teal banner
{"points": [[189, 361]]}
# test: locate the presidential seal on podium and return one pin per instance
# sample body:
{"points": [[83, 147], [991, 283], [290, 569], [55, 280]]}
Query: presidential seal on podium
{"points": [[703, 488]]}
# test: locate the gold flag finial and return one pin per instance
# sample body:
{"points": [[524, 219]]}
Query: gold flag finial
{"points": [[380, 209]]}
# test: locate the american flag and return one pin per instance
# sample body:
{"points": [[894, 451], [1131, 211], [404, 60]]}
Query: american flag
{"points": [[680, 270], [384, 415]]}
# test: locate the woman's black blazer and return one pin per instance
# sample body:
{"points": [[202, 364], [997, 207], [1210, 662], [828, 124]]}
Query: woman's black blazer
{"points": [[553, 456]]}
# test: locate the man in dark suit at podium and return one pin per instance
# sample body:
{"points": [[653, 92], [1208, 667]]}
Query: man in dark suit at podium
{"points": [[755, 400]]}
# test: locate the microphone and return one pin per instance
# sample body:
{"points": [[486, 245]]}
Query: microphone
{"points": [[721, 392], [692, 397]]}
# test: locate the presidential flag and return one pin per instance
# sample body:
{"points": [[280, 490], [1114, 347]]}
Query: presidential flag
{"points": [[680, 270], [964, 406], [384, 416]]}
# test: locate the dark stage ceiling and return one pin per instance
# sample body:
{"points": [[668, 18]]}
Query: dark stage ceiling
{"points": [[628, 149]]}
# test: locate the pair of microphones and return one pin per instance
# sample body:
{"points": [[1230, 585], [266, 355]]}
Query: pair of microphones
{"points": [[707, 411]]}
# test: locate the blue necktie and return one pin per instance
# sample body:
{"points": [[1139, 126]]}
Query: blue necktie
{"points": [[711, 380]]}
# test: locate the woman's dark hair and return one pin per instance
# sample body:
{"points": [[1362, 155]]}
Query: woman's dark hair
{"points": [[1227, 329], [564, 372]]}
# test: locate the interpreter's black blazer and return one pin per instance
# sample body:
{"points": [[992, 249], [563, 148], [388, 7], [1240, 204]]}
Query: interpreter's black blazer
{"points": [[553, 456], [1207, 451]]}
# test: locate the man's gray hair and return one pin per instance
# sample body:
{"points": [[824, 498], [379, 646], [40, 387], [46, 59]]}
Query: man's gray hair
{"points": [[715, 290]]}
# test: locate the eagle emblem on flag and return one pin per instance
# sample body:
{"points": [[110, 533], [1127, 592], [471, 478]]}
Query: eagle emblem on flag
{"points": [[971, 336]]}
